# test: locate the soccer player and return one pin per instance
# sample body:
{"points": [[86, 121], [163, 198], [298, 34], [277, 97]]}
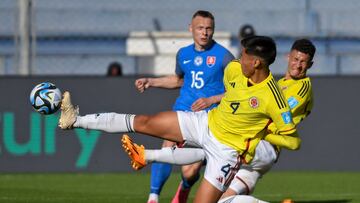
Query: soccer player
{"points": [[297, 90], [199, 72], [229, 133]]}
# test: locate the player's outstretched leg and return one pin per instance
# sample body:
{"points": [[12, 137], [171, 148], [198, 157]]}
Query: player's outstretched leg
{"points": [[69, 112], [135, 152]]}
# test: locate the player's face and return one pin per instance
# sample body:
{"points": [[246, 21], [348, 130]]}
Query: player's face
{"points": [[247, 63], [298, 64], [202, 30]]}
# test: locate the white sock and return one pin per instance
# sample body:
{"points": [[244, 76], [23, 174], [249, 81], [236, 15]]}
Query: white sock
{"points": [[153, 197], [174, 155], [241, 199], [108, 122]]}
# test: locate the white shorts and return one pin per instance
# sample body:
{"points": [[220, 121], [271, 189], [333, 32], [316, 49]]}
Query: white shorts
{"points": [[248, 175], [265, 157], [222, 161]]}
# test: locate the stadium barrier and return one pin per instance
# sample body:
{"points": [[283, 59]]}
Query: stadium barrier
{"points": [[31, 142]]}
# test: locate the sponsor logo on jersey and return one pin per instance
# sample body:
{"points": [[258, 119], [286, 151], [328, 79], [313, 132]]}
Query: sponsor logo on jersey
{"points": [[293, 102], [186, 61], [210, 61], [253, 102], [286, 116], [232, 84], [198, 61]]}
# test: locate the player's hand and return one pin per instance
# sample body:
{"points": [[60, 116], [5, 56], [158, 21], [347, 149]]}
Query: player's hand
{"points": [[142, 84], [201, 104]]}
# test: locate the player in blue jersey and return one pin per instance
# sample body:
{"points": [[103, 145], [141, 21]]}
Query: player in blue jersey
{"points": [[199, 73]]}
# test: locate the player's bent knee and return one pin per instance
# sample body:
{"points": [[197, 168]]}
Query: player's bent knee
{"points": [[191, 171], [168, 143], [245, 181]]}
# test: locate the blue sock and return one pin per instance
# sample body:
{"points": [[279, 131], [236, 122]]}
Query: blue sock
{"points": [[160, 172], [186, 184]]}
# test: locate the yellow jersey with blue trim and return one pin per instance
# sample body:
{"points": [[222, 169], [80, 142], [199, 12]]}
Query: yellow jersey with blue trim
{"points": [[244, 113], [299, 96]]}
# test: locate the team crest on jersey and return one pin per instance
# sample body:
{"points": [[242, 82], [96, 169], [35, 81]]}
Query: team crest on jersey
{"points": [[210, 61], [286, 116], [198, 61], [254, 102]]}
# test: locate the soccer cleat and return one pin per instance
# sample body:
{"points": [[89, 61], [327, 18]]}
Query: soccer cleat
{"points": [[68, 112], [135, 152], [181, 195]]}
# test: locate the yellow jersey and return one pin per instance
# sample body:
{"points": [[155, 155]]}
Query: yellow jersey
{"points": [[244, 113], [299, 96]]}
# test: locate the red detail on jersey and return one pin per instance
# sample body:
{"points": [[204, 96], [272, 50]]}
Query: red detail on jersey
{"points": [[254, 103], [210, 60]]}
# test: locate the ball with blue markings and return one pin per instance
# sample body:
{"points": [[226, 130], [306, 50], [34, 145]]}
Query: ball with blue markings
{"points": [[45, 98]]}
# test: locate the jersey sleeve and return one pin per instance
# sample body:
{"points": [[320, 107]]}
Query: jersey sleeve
{"points": [[227, 58], [178, 69], [279, 111], [300, 102], [229, 73]]}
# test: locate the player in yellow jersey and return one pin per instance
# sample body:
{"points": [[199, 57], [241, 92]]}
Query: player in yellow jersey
{"points": [[297, 90], [252, 100]]}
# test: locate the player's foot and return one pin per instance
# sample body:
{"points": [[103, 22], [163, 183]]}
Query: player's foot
{"points": [[181, 195], [135, 152], [68, 112]]}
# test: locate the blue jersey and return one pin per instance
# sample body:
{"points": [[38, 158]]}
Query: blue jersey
{"points": [[202, 72]]}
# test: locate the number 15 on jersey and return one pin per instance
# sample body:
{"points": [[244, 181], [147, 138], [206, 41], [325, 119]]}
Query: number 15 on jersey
{"points": [[197, 80]]}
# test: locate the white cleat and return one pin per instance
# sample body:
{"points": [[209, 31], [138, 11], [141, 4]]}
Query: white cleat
{"points": [[68, 112]]}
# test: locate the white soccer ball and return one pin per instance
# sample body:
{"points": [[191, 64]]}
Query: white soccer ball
{"points": [[45, 98]]}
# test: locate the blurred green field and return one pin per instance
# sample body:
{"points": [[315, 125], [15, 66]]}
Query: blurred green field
{"points": [[302, 187]]}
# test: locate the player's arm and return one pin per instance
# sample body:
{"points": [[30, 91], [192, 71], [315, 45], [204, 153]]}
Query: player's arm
{"points": [[168, 82], [203, 103], [300, 101], [288, 141], [280, 114]]}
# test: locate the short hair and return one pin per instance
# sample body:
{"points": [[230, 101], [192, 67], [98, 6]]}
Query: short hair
{"points": [[261, 46], [205, 14], [305, 46]]}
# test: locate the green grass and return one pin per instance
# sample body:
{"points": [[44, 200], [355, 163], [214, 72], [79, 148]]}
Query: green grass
{"points": [[303, 187]]}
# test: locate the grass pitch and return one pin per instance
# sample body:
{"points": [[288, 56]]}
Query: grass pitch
{"points": [[302, 187]]}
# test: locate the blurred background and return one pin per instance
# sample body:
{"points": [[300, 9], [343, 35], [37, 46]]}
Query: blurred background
{"points": [[81, 37]]}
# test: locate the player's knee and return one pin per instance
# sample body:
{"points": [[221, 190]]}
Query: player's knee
{"points": [[190, 172], [141, 122], [168, 143], [244, 182]]}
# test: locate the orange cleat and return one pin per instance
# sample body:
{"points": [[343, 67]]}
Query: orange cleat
{"points": [[135, 152]]}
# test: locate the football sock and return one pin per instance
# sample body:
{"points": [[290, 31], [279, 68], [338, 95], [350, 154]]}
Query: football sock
{"points": [[174, 155], [160, 172], [108, 122], [186, 184], [153, 198]]}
